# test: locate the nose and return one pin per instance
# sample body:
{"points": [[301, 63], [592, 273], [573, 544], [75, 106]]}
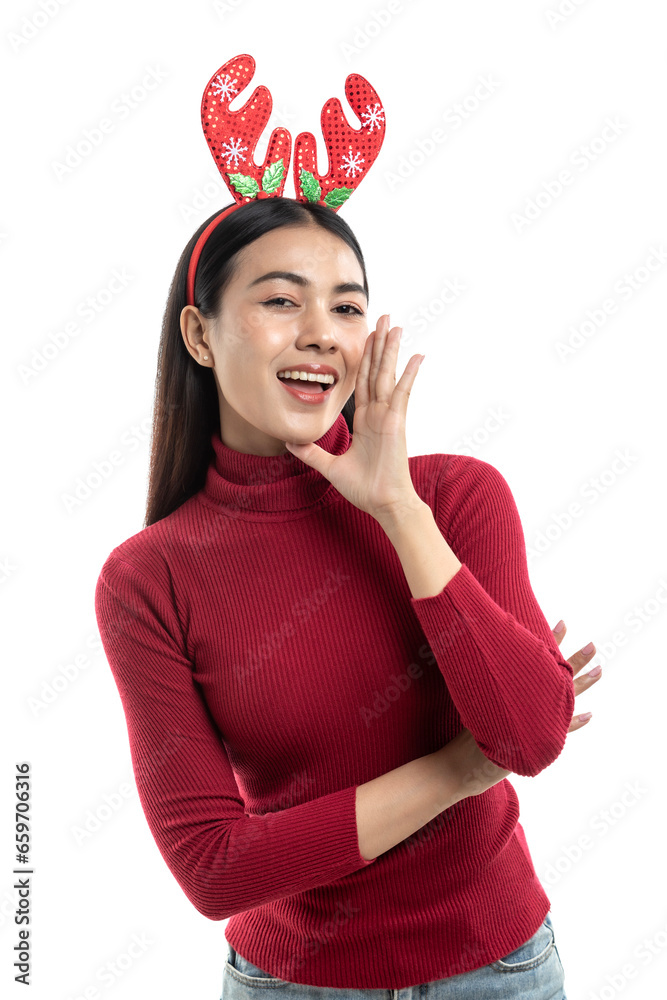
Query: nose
{"points": [[317, 328]]}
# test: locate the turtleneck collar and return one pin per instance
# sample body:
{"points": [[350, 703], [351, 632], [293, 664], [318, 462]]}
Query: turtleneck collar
{"points": [[267, 486]]}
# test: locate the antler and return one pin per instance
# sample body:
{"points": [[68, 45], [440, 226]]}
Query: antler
{"points": [[351, 151], [233, 135]]}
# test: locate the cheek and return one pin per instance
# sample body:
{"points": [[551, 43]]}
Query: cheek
{"points": [[255, 319], [245, 349]]}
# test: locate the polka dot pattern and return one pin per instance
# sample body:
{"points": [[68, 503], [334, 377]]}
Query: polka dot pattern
{"points": [[351, 152], [232, 137]]}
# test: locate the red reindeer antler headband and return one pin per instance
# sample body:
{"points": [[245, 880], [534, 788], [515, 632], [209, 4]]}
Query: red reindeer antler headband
{"points": [[233, 136]]}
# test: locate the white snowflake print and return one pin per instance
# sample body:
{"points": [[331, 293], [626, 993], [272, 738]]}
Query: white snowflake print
{"points": [[224, 89], [374, 116], [351, 163], [233, 150]]}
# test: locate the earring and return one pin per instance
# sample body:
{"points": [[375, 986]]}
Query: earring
{"points": [[206, 357]]}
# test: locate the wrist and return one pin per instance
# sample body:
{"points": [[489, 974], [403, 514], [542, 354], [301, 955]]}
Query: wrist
{"points": [[426, 557], [451, 787], [393, 520]]}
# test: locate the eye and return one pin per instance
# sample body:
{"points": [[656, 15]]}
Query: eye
{"points": [[347, 305], [281, 303], [278, 299]]}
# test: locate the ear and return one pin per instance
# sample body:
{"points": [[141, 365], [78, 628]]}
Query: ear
{"points": [[195, 330]]}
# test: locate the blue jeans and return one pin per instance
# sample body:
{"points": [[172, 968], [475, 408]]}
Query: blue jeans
{"points": [[533, 971]]}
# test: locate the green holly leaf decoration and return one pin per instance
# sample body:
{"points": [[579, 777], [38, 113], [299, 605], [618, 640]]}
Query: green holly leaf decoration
{"points": [[337, 196], [272, 177], [310, 185], [244, 184]]}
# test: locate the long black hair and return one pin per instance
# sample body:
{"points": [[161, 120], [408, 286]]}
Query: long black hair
{"points": [[186, 409]]}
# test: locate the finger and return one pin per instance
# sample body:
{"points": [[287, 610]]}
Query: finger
{"points": [[578, 721], [586, 682], [579, 659], [361, 389], [378, 350], [399, 400], [386, 376], [559, 636], [311, 454]]}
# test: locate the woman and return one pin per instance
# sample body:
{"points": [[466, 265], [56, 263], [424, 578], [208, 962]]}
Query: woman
{"points": [[329, 655]]}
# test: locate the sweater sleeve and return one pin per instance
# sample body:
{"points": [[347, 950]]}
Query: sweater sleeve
{"points": [[503, 667], [225, 860]]}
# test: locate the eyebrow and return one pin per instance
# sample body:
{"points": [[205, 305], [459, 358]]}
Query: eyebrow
{"points": [[298, 279]]}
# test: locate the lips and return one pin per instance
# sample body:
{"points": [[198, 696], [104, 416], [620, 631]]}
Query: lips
{"points": [[311, 368], [310, 396], [304, 385]]}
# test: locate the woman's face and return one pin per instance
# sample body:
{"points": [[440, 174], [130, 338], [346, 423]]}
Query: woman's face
{"points": [[319, 316]]}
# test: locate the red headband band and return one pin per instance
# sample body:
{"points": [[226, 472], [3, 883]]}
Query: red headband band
{"points": [[232, 137]]}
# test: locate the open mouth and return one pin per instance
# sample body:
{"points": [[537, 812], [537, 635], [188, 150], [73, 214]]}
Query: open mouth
{"points": [[305, 385]]}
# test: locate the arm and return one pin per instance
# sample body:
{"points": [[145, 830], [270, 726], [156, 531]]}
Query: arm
{"points": [[225, 860], [493, 645], [398, 803]]}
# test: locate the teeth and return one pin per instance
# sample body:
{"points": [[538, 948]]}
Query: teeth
{"points": [[307, 376]]}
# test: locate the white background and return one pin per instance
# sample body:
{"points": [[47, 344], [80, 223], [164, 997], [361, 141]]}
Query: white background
{"points": [[565, 419]]}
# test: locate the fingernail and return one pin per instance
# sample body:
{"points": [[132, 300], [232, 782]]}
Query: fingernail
{"points": [[585, 716], [422, 358], [588, 648], [560, 626], [595, 672]]}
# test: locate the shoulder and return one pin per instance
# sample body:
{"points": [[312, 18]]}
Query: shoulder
{"points": [[474, 509], [452, 483], [153, 552]]}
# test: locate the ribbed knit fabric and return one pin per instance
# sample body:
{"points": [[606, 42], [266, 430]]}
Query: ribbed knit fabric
{"points": [[270, 658]]}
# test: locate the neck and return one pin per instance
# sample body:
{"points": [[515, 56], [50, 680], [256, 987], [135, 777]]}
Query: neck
{"points": [[266, 486]]}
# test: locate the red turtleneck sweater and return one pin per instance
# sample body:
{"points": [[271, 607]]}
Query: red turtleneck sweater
{"points": [[270, 658]]}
